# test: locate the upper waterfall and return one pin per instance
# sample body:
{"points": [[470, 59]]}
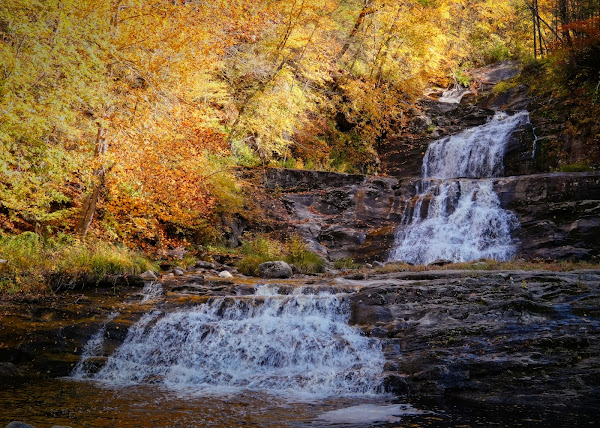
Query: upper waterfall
{"points": [[454, 218], [474, 153]]}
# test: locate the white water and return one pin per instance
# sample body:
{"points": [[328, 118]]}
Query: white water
{"points": [[92, 349], [464, 222], [454, 95], [476, 152], [461, 219], [152, 290], [367, 414], [296, 344]]}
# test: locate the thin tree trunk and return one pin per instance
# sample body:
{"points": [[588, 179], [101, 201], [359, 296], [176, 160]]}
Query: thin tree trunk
{"points": [[534, 32], [366, 10], [91, 201]]}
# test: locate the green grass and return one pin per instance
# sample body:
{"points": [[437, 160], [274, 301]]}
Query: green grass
{"points": [[259, 248], [345, 263], [575, 167], [553, 265], [35, 265]]}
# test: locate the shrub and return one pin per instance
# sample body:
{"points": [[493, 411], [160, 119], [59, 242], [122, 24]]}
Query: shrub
{"points": [[299, 255], [257, 249], [345, 263]]}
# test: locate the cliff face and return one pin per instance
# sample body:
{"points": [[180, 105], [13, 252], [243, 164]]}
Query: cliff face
{"points": [[356, 216], [559, 213]]}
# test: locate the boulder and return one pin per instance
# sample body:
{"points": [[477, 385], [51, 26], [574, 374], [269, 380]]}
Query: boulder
{"points": [[276, 269], [205, 265], [148, 276], [18, 424], [178, 272], [225, 274], [440, 262]]}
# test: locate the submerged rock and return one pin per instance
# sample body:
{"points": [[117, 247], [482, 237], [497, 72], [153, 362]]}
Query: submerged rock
{"points": [[276, 269], [9, 370]]}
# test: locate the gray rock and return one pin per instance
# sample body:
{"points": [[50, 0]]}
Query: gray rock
{"points": [[148, 276], [225, 274], [368, 265], [9, 370], [378, 264], [205, 265], [18, 424], [276, 269], [494, 73], [484, 336], [168, 275], [178, 272], [440, 262]]}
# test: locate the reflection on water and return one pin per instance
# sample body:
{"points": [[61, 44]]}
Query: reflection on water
{"points": [[85, 404]]}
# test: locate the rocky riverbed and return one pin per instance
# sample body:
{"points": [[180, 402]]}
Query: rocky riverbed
{"points": [[529, 338]]}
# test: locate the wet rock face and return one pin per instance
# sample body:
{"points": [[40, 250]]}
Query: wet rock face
{"points": [[344, 215], [559, 213], [357, 216], [505, 337]]}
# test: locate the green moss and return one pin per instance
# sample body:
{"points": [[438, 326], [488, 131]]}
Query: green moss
{"points": [[575, 167], [504, 86]]}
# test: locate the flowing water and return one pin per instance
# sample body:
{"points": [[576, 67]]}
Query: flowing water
{"points": [[264, 355], [297, 344], [456, 215]]}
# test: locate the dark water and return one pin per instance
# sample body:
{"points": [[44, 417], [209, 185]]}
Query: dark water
{"points": [[86, 404]]}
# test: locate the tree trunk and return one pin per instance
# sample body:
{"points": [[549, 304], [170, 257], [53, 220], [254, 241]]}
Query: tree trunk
{"points": [[366, 10], [91, 201]]}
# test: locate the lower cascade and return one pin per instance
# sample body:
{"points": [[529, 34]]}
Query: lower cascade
{"points": [[297, 343], [455, 218]]}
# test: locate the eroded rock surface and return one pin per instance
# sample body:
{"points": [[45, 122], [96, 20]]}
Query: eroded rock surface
{"points": [[508, 337], [357, 216], [530, 338]]}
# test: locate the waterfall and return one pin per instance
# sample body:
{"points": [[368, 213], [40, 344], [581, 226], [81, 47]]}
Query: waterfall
{"points": [[298, 343], [456, 215], [476, 152], [92, 349]]}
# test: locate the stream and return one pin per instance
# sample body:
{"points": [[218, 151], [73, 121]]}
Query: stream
{"points": [[259, 354]]}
